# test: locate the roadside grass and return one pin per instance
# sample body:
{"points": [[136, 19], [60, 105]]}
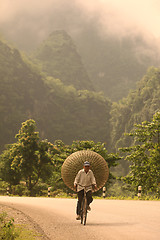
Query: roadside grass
{"points": [[25, 234], [11, 231], [120, 197], [62, 194], [144, 198], [116, 193]]}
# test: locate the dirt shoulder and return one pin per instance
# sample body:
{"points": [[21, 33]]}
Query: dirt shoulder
{"points": [[22, 219]]}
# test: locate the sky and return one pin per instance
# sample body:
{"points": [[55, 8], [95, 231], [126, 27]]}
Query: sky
{"points": [[35, 18]]}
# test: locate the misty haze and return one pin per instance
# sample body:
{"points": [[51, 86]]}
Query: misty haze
{"points": [[115, 44]]}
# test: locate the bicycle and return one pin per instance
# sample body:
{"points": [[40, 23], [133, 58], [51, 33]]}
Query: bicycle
{"points": [[84, 206]]}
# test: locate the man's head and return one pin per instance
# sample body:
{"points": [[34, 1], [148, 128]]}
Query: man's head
{"points": [[86, 166]]}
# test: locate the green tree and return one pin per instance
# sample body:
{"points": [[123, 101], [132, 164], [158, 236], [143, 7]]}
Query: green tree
{"points": [[58, 158], [144, 156], [29, 159], [9, 175]]}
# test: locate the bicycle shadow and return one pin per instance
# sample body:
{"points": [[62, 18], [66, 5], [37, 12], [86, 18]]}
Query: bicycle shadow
{"points": [[111, 224]]}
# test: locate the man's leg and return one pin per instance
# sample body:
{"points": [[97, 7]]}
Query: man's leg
{"points": [[80, 198], [89, 197]]}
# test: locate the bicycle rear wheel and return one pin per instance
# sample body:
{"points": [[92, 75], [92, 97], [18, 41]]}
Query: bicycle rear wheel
{"points": [[82, 218], [82, 211], [85, 212]]}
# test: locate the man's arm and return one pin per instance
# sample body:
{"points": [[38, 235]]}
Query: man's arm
{"points": [[95, 187], [75, 187]]}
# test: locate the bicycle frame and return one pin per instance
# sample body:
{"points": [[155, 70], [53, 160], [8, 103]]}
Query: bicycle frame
{"points": [[84, 209], [83, 212]]}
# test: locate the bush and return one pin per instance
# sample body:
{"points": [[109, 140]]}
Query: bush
{"points": [[41, 189], [3, 187], [7, 229], [20, 190]]}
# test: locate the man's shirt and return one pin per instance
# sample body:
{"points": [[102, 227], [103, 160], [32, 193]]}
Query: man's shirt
{"points": [[85, 179]]}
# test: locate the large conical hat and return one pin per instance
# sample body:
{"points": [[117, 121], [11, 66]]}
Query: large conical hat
{"points": [[74, 163]]}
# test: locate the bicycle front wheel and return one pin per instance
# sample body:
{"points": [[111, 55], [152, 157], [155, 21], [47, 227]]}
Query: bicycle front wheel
{"points": [[81, 217], [82, 211], [85, 218]]}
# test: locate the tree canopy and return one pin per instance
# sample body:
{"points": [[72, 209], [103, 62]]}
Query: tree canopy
{"points": [[28, 159], [144, 156]]}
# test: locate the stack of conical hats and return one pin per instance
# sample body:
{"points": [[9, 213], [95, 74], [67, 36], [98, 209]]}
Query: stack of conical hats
{"points": [[74, 163]]}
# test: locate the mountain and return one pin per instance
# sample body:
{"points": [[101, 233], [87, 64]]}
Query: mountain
{"points": [[60, 111], [59, 58]]}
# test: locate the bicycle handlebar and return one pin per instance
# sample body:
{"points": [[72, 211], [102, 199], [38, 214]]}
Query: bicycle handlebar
{"points": [[84, 186]]}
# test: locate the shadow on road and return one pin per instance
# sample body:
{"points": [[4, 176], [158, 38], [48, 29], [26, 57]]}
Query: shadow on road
{"points": [[110, 224]]}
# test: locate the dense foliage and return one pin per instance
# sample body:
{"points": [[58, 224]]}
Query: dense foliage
{"points": [[144, 156], [139, 106], [7, 228], [31, 160], [28, 159]]}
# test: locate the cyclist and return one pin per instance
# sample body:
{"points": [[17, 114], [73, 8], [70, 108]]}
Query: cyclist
{"points": [[84, 178]]}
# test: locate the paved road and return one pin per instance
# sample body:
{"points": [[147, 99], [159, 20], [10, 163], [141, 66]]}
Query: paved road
{"points": [[108, 220]]}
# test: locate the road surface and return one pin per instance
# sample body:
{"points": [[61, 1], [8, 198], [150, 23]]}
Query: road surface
{"points": [[108, 219]]}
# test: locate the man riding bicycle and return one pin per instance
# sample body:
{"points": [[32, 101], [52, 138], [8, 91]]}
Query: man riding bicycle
{"points": [[84, 179]]}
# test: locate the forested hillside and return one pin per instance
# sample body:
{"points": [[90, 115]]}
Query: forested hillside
{"points": [[70, 115], [61, 112], [139, 106], [59, 58], [21, 92]]}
